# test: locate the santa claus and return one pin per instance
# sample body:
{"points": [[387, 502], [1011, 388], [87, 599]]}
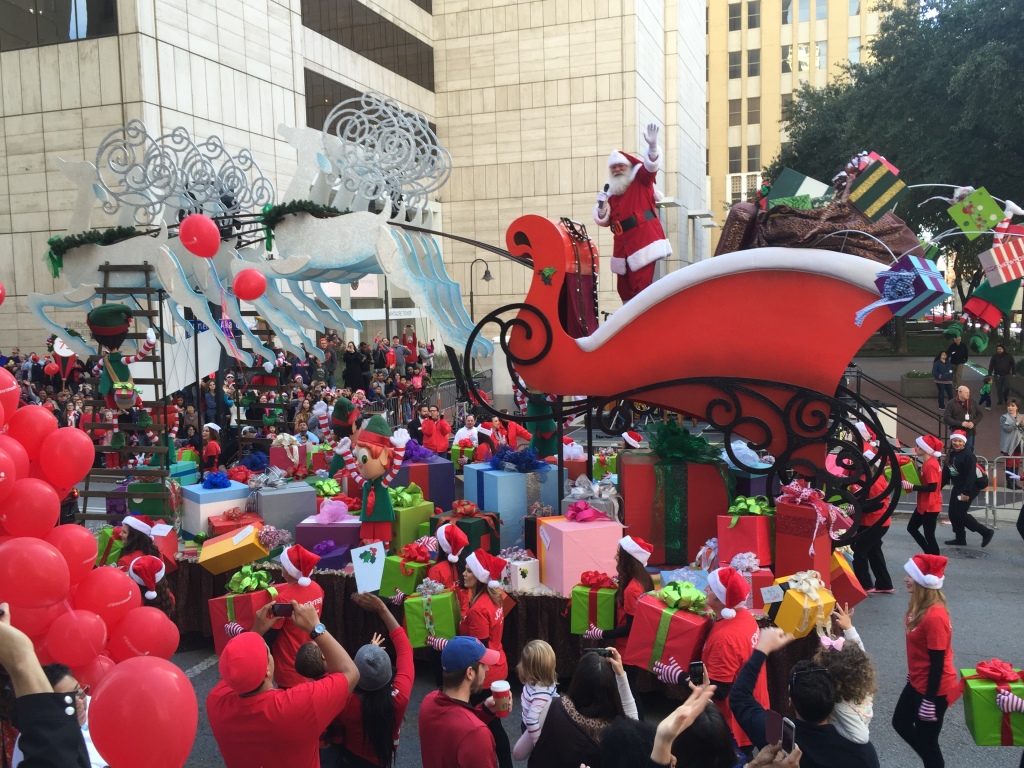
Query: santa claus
{"points": [[627, 206]]}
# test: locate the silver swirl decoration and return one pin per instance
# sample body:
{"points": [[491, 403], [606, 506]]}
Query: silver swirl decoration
{"points": [[381, 149]]}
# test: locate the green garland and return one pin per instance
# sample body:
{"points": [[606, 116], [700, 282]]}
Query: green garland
{"points": [[272, 214], [59, 245]]}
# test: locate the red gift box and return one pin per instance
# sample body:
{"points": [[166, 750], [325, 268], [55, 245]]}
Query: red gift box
{"points": [[318, 461], [846, 588], [231, 521], [758, 579], [279, 458], [652, 493], [660, 632], [795, 537], [752, 533], [573, 467], [168, 546], [238, 608]]}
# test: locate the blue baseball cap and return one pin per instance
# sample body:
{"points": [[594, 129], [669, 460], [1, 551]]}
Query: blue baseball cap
{"points": [[463, 652]]}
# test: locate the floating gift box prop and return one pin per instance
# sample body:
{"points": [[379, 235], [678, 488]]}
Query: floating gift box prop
{"points": [[333, 522], [845, 586], [411, 510], [433, 610], [672, 624], [800, 604], [108, 546], [368, 566], [989, 726], [603, 496], [185, 472], [593, 603], [288, 458], [748, 566], [978, 212], [1004, 262], [747, 528], [435, 477], [232, 520], [792, 183], [909, 288], [248, 591], [232, 550], [404, 571], [201, 503], [876, 190], [804, 523], [568, 548], [481, 528]]}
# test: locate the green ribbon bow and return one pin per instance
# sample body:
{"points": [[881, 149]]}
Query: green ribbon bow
{"points": [[327, 488], [683, 596], [248, 579], [673, 443], [750, 505], [54, 261], [199, 538], [268, 233], [406, 496]]}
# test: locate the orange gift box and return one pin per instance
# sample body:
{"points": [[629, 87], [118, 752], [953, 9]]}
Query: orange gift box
{"points": [[846, 588]]}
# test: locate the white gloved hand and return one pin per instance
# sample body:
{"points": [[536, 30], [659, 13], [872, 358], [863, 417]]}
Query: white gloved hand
{"points": [[602, 197], [151, 336], [345, 444], [651, 135], [1011, 476], [268, 367]]}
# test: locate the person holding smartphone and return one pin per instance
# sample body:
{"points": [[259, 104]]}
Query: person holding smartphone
{"points": [[297, 564]]}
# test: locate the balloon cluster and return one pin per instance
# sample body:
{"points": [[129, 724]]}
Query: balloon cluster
{"points": [[200, 236], [90, 619]]}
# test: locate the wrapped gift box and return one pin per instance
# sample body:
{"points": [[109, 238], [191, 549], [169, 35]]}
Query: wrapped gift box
{"points": [[927, 289], [672, 505], [167, 543], [232, 550], [751, 483], [605, 465], [286, 507], [108, 546], [573, 467], [592, 606], [473, 482], [279, 458], [318, 457], [610, 507], [976, 213], [399, 579], [794, 528], [988, 725], [185, 472], [481, 531], [660, 632], [696, 576], [758, 580], [200, 504], [1004, 262], [435, 478], [876, 190], [431, 615], [221, 524], [523, 575], [567, 549], [752, 533], [423, 529], [908, 469], [152, 508], [238, 608], [797, 613], [510, 494], [845, 586], [345, 532], [117, 506], [459, 453], [406, 527], [336, 559]]}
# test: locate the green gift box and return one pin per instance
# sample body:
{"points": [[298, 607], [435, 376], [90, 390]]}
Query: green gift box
{"points": [[605, 465], [153, 508], [592, 606], [401, 576], [423, 529], [461, 453], [989, 726], [406, 528], [482, 532], [431, 615], [909, 472], [108, 547]]}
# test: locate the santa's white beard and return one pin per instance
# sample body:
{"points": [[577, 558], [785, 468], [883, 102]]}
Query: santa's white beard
{"points": [[617, 185]]}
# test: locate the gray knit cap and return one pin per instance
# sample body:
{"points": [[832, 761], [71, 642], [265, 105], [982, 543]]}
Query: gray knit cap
{"points": [[374, 667]]}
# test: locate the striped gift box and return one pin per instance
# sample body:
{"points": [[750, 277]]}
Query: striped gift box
{"points": [[876, 190], [1004, 261], [909, 288]]}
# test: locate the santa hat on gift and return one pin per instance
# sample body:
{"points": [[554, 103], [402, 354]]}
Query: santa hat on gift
{"points": [[298, 562], [567, 440], [931, 444], [867, 433], [637, 547], [927, 570], [618, 157], [486, 567], [731, 588], [147, 571], [452, 540], [958, 434], [144, 524], [632, 439]]}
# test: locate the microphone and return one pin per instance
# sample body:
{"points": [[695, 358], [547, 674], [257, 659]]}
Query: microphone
{"points": [[605, 187]]}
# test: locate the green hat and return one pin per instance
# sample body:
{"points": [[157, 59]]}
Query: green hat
{"points": [[109, 324], [343, 407], [376, 432], [269, 419]]}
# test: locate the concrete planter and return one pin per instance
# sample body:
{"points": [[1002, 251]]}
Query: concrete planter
{"points": [[914, 387]]}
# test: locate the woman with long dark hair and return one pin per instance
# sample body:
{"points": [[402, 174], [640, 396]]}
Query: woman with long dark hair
{"points": [[137, 540], [149, 572], [485, 447]]}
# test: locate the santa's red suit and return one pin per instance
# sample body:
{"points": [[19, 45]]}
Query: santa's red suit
{"points": [[639, 238]]}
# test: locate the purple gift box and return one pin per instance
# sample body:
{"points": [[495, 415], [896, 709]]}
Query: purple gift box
{"points": [[435, 477], [336, 559], [344, 533], [909, 288]]}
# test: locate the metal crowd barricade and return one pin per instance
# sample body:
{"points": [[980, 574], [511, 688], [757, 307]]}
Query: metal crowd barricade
{"points": [[1003, 497]]}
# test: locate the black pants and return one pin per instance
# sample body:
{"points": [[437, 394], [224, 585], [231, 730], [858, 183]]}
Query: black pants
{"points": [[1020, 530], [868, 558], [922, 737], [926, 523], [501, 743], [962, 519]]}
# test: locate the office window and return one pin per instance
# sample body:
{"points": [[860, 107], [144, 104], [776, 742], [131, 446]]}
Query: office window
{"points": [[787, 11], [735, 17], [707, 20], [787, 54], [735, 159], [803, 57], [821, 9], [735, 190], [707, 162], [30, 24], [754, 63], [735, 64], [735, 112], [754, 14], [787, 98], [854, 50], [821, 48], [322, 94], [855, 7], [754, 158], [805, 10], [753, 110]]}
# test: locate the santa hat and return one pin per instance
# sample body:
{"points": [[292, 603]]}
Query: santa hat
{"points": [[212, 427], [927, 570], [931, 444], [729, 587], [618, 157], [958, 434], [145, 525], [452, 540], [567, 440], [298, 562], [632, 439], [637, 547], [867, 433], [482, 430], [486, 567], [146, 571]]}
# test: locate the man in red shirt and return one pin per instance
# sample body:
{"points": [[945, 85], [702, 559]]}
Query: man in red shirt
{"points": [[452, 733], [297, 564], [256, 724], [436, 431]]}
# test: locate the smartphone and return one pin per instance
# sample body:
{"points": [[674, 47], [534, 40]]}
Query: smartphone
{"points": [[788, 735], [697, 673], [282, 609], [599, 651], [772, 726]]}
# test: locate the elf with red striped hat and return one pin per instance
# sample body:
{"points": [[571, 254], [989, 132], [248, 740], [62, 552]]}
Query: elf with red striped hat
{"points": [[929, 494]]}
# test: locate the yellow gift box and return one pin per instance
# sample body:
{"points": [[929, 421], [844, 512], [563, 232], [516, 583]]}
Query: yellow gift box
{"points": [[797, 612], [232, 550]]}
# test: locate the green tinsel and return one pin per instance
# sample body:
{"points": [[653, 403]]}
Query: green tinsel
{"points": [[59, 245], [272, 215]]}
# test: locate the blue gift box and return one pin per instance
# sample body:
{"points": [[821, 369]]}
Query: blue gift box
{"points": [[909, 288], [510, 494], [473, 482], [436, 478], [200, 495], [184, 472], [751, 483]]}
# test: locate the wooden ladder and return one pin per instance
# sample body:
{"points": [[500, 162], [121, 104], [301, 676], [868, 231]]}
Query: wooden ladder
{"points": [[246, 374]]}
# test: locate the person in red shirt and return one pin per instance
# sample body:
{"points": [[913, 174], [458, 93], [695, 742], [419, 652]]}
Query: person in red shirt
{"points": [[512, 432], [485, 444], [868, 557], [452, 542], [211, 447], [634, 580], [453, 733], [931, 680], [297, 564], [929, 495], [256, 724], [137, 537], [435, 432]]}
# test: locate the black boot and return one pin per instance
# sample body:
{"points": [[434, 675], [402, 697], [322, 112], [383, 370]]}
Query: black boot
{"points": [[986, 537], [956, 543]]}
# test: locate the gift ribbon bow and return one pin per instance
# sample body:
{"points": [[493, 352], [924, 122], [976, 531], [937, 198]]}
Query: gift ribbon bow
{"points": [[809, 583], [583, 488], [745, 562], [581, 512], [898, 288], [539, 509], [239, 474], [327, 488], [749, 505], [1002, 674], [234, 514], [597, 580], [325, 546], [430, 587], [271, 537], [413, 553], [462, 508], [466, 442], [406, 496], [707, 556], [332, 511], [515, 555], [248, 579], [799, 493], [683, 596]]}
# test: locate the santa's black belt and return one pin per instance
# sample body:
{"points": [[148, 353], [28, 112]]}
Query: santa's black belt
{"points": [[618, 227]]}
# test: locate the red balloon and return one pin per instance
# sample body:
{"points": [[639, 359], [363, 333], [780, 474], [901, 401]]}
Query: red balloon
{"points": [[249, 284], [17, 452], [78, 547], [33, 574], [42, 652], [144, 690], [199, 235], [92, 673], [76, 638], [109, 592], [3, 293], [8, 474], [51, 369], [32, 508], [10, 392], [36, 622], [30, 426], [66, 456], [144, 631]]}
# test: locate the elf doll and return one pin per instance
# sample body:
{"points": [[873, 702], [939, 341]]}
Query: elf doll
{"points": [[373, 465], [341, 425]]}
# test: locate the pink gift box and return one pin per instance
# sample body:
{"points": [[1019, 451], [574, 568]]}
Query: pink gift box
{"points": [[568, 548]]}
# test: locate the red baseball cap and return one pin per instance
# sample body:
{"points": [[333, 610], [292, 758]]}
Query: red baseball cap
{"points": [[244, 662]]}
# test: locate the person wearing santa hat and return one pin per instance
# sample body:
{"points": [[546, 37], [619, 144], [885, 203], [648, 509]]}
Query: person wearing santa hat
{"points": [[148, 572], [137, 532], [452, 542], [511, 432], [634, 580], [929, 495], [297, 564], [631, 439], [486, 446], [961, 472], [868, 557], [627, 205], [932, 684]]}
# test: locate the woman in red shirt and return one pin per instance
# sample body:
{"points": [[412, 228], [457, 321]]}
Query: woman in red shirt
{"points": [[485, 447], [211, 447], [868, 557], [137, 538], [452, 541], [634, 581], [931, 682], [929, 495]]}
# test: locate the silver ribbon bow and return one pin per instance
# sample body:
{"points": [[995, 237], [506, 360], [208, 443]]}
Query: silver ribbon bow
{"points": [[584, 489], [745, 562]]}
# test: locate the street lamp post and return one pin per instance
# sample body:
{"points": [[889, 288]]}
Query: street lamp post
{"points": [[487, 276]]}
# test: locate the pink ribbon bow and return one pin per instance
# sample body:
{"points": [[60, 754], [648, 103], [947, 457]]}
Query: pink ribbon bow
{"points": [[833, 645], [799, 493], [581, 512]]}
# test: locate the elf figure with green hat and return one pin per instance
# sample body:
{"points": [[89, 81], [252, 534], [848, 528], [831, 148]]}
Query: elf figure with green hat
{"points": [[373, 464], [109, 324], [340, 424]]}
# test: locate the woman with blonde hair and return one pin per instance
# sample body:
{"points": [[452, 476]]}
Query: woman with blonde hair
{"points": [[931, 680]]}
